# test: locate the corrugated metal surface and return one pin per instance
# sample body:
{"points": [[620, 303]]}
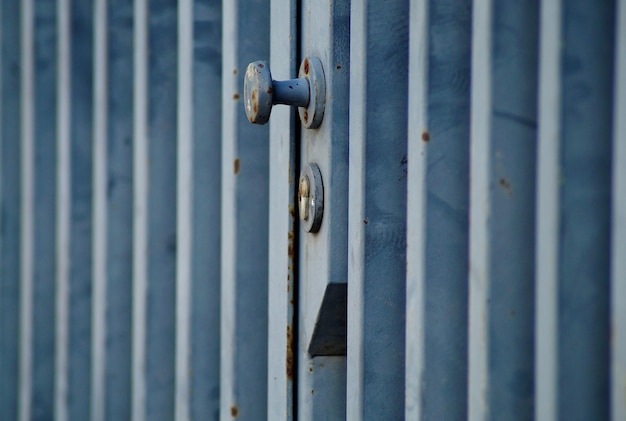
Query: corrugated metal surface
{"points": [[470, 261]]}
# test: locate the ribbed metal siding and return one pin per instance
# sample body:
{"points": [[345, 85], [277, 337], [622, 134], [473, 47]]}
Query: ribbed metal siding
{"points": [[149, 239]]}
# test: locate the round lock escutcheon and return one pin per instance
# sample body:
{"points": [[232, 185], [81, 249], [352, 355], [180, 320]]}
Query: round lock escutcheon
{"points": [[311, 198]]}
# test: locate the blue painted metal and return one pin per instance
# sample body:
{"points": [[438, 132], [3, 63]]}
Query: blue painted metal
{"points": [[282, 255], [503, 139], [154, 209], [44, 201], [574, 212], [119, 192], [26, 209], [10, 215], [585, 197], [112, 269], [161, 78], [152, 265], [438, 210], [377, 209], [198, 238], [244, 201], [322, 256]]}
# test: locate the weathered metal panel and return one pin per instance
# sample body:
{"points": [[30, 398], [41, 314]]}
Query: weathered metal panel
{"points": [[74, 301], [113, 182], [198, 245], [282, 257], [244, 200], [10, 212], [43, 236], [438, 210], [576, 92], [322, 265], [26, 385], [154, 209], [377, 209], [151, 262], [503, 139]]}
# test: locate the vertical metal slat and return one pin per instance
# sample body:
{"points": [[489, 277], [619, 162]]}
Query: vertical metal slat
{"points": [[26, 209], [573, 232], [437, 210], [245, 161], [377, 210], [140, 207], [44, 168], [184, 213], [282, 337], [502, 207], [100, 214], [546, 250], [206, 208], [160, 214], [10, 239], [63, 211], [618, 260], [112, 254], [79, 293]]}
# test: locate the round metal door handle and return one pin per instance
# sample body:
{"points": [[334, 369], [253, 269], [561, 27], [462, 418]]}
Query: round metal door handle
{"points": [[308, 92]]}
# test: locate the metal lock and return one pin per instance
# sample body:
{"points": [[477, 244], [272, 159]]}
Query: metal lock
{"points": [[308, 92], [311, 198]]}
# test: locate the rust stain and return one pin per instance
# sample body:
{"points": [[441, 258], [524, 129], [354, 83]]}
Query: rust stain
{"points": [[261, 65], [305, 115], [235, 96], [292, 212], [234, 71], [506, 186], [236, 166], [425, 136], [270, 90], [255, 103], [306, 66], [289, 362], [234, 411]]}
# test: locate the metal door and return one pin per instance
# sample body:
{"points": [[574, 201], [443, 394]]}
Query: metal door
{"points": [[157, 260]]}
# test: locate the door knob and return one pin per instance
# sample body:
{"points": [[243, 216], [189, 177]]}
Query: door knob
{"points": [[307, 92]]}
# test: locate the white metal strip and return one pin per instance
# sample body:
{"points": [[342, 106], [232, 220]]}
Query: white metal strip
{"points": [[356, 205], [27, 208], [228, 305], [140, 209], [281, 334], [184, 215], [63, 210], [416, 205], [479, 211], [618, 258], [100, 237], [546, 285]]}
